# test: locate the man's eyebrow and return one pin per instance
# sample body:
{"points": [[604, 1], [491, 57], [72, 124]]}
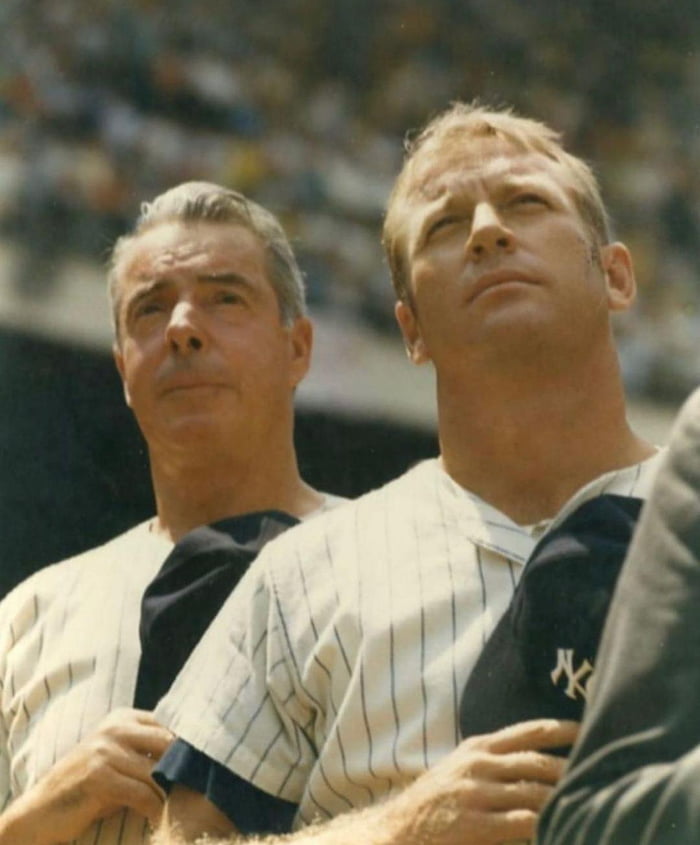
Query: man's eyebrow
{"points": [[225, 277], [518, 182], [147, 287]]}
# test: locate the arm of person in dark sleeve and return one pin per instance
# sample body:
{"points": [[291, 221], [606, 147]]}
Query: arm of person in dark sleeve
{"points": [[251, 810], [634, 774]]}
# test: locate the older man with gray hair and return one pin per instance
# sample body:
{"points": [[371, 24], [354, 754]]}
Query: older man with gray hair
{"points": [[211, 340]]}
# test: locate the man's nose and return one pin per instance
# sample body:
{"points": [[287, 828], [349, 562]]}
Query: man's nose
{"points": [[184, 332], [488, 233]]}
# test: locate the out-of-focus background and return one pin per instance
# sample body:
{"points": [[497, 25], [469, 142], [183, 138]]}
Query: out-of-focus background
{"points": [[303, 105]]}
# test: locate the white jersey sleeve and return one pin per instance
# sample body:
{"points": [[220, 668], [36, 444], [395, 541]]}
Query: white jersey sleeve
{"points": [[242, 666]]}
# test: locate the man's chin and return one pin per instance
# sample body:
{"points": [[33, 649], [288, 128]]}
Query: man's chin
{"points": [[197, 427]]}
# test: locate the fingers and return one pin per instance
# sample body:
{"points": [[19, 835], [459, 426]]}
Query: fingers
{"points": [[151, 742], [138, 731], [130, 742], [114, 765], [510, 826], [136, 767], [493, 786], [518, 766], [532, 735], [504, 796], [124, 789], [107, 770]]}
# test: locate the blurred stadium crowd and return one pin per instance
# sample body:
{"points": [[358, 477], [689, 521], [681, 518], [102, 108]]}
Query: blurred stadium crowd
{"points": [[304, 104]]}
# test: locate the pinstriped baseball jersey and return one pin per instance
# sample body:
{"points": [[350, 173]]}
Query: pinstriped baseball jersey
{"points": [[69, 654], [69, 649], [332, 675]]}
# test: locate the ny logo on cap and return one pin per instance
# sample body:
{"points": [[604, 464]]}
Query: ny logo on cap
{"points": [[577, 679]]}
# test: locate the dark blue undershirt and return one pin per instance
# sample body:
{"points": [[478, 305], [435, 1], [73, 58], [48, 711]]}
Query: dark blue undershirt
{"points": [[251, 810]]}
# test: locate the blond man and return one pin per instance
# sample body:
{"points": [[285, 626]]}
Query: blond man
{"points": [[339, 663]]}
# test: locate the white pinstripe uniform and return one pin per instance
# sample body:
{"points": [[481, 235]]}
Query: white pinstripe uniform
{"points": [[69, 654], [332, 675]]}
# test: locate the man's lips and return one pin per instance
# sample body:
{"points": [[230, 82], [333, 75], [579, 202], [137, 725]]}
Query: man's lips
{"points": [[487, 281], [187, 382]]}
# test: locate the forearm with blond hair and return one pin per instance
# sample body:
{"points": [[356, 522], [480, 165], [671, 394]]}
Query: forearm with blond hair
{"points": [[489, 790]]}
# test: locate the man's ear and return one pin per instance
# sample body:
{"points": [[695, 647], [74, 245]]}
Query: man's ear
{"points": [[412, 337], [301, 341], [119, 361], [619, 276]]}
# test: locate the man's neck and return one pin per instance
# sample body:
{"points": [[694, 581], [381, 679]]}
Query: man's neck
{"points": [[527, 452], [190, 493]]}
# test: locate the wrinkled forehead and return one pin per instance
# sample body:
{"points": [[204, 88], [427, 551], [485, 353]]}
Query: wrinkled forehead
{"points": [[444, 167], [173, 244], [442, 172]]}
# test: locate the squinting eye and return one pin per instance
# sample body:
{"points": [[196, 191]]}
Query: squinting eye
{"points": [[442, 223], [228, 298], [147, 308], [526, 199]]}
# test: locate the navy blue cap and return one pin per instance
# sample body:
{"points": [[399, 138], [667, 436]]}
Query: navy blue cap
{"points": [[540, 657]]}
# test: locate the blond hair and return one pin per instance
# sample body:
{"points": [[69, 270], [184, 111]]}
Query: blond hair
{"points": [[194, 202], [456, 126]]}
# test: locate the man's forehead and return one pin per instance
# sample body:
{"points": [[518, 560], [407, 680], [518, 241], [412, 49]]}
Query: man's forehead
{"points": [[175, 243], [461, 166]]}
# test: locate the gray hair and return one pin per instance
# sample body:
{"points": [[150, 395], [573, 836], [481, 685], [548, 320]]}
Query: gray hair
{"points": [[193, 202]]}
